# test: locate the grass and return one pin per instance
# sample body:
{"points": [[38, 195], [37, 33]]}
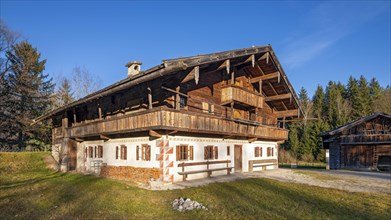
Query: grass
{"points": [[305, 165], [29, 191]]}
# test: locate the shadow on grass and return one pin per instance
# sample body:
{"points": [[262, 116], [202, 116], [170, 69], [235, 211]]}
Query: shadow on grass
{"points": [[31, 181]]}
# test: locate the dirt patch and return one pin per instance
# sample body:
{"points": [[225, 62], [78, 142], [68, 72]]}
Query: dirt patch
{"points": [[351, 181]]}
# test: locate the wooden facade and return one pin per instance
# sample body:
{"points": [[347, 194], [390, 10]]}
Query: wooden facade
{"points": [[240, 94], [362, 144]]}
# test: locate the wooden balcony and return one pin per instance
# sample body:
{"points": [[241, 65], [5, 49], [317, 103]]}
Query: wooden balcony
{"points": [[366, 139], [237, 94], [169, 119]]}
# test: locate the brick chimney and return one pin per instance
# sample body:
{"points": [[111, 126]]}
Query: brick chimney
{"points": [[134, 68]]}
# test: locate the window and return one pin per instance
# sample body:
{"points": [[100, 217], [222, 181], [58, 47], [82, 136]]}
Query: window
{"points": [[211, 152], [207, 108], [258, 152], [90, 152], [124, 152], [146, 152], [95, 152], [270, 152], [228, 150], [183, 101], [137, 153], [184, 152], [100, 151], [116, 153]]}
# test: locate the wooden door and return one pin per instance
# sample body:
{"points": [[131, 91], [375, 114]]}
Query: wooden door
{"points": [[238, 158], [72, 146], [366, 156]]}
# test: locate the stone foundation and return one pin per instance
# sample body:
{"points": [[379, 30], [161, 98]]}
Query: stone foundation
{"points": [[136, 174]]}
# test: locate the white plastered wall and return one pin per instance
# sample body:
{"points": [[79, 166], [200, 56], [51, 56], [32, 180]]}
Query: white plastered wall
{"points": [[109, 153]]}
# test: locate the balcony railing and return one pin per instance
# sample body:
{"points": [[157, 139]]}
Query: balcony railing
{"points": [[168, 119], [234, 93], [366, 139]]}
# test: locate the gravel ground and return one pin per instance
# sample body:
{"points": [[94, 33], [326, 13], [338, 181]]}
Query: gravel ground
{"points": [[352, 181]]}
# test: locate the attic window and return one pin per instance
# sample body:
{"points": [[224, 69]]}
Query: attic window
{"points": [[136, 67]]}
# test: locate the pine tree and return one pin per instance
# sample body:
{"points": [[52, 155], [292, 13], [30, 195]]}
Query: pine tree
{"points": [[337, 108], [30, 90], [353, 97], [375, 91], [318, 102], [365, 96]]}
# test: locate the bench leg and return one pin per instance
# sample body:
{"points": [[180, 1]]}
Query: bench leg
{"points": [[209, 173], [184, 177], [228, 171]]}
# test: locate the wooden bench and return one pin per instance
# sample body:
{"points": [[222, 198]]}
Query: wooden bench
{"points": [[207, 170], [261, 163]]}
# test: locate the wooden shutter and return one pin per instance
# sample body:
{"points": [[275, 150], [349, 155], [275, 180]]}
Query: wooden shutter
{"points": [[95, 150], [191, 157], [205, 107], [206, 153], [216, 152], [177, 152], [143, 152], [137, 153], [228, 151], [272, 152], [125, 153], [148, 156], [100, 151], [256, 151], [260, 151], [116, 152], [212, 108]]}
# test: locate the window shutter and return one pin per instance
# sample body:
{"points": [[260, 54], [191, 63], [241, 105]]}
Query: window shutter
{"points": [[205, 106], [177, 152], [125, 153], [255, 151], [212, 108], [137, 153], [148, 152], [228, 151], [143, 152], [260, 151], [116, 152], [272, 152], [191, 153], [205, 153], [216, 153], [95, 152]]}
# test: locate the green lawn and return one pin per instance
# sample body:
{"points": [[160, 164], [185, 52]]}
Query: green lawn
{"points": [[28, 190]]}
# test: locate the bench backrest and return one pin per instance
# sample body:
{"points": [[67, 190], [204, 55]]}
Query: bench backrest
{"points": [[183, 164]]}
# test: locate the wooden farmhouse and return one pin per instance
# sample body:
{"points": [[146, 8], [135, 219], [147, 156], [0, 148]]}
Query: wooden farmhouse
{"points": [[361, 144], [186, 118]]}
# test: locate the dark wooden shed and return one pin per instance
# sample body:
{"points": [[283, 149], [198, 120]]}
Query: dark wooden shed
{"points": [[361, 144]]}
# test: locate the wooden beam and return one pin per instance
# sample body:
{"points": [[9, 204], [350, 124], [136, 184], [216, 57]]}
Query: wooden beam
{"points": [[100, 112], [177, 98], [251, 59], [103, 137], [252, 140], [74, 116], [172, 132], [287, 113], [149, 98], [78, 139], [278, 97], [259, 68], [227, 65], [266, 77], [173, 91], [193, 74], [233, 78], [153, 133]]}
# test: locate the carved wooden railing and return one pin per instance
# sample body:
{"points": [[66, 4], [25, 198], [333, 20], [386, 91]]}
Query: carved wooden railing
{"points": [[375, 138], [234, 93], [177, 120]]}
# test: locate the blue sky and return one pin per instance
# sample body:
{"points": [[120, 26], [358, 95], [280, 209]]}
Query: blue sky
{"points": [[315, 41]]}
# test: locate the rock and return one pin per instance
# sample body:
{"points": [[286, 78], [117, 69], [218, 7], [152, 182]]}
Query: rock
{"points": [[183, 204]]}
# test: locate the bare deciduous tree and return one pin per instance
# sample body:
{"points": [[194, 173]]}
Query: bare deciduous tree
{"points": [[83, 82]]}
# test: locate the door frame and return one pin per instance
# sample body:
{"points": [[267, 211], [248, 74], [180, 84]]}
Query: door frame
{"points": [[238, 158]]}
